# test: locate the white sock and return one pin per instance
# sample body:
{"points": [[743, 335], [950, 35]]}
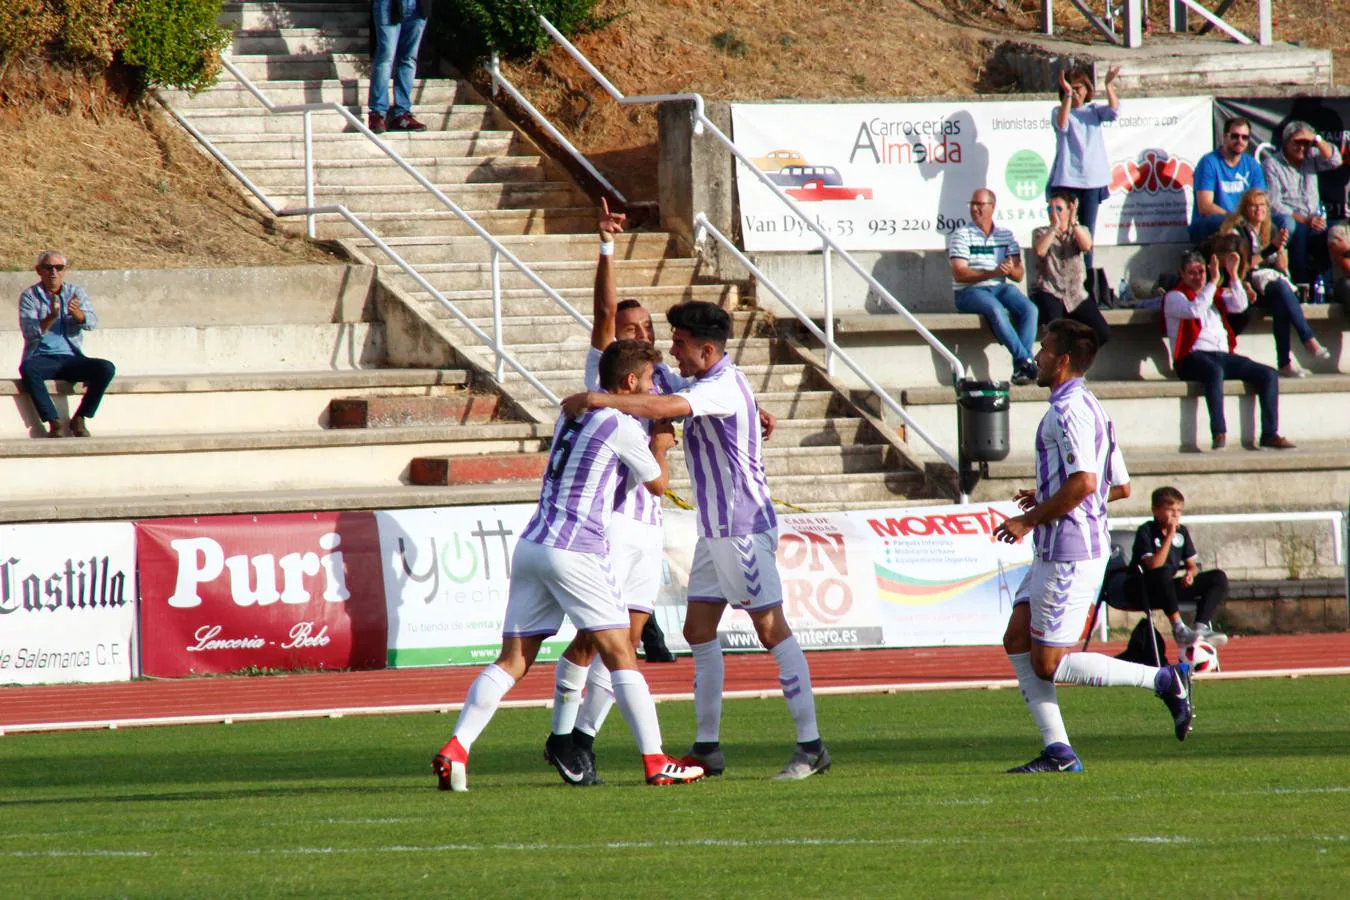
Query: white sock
{"points": [[598, 701], [1041, 700], [481, 702], [708, 675], [638, 708], [568, 680], [794, 676], [1099, 670]]}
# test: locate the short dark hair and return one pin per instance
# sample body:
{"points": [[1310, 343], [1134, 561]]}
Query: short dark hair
{"points": [[1075, 340], [630, 303], [1065, 194], [702, 320], [622, 358], [1230, 124], [1191, 256], [1166, 494]]}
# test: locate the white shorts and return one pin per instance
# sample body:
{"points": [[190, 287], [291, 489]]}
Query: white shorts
{"points": [[742, 571], [547, 582], [1060, 594], [639, 551]]}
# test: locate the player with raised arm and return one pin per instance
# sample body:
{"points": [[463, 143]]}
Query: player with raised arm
{"points": [[561, 565], [734, 560], [1076, 459], [636, 537]]}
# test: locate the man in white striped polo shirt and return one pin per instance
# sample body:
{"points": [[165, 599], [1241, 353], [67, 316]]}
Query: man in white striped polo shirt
{"points": [[985, 260], [1075, 444], [734, 560], [561, 566]]}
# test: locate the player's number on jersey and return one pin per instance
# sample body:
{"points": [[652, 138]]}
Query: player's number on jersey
{"points": [[562, 448]]}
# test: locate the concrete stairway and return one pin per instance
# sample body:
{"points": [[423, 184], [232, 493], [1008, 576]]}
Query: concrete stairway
{"points": [[826, 454]]}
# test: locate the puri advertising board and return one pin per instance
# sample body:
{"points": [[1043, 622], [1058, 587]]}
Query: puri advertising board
{"points": [[67, 602], [446, 576], [899, 176], [227, 593]]}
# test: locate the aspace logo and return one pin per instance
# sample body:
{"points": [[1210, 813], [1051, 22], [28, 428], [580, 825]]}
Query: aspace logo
{"points": [[75, 585], [203, 560], [1154, 172]]}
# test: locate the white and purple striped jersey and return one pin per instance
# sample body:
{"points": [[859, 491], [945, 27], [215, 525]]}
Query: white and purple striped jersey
{"points": [[1075, 435], [634, 501], [576, 501], [722, 450]]}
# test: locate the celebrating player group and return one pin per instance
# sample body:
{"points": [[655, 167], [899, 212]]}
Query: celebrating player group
{"points": [[588, 551]]}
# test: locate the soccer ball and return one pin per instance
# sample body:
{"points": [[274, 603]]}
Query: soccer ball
{"points": [[1201, 657]]}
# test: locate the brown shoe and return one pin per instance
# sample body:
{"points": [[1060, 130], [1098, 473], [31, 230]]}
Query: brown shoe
{"points": [[1277, 443], [77, 426], [375, 122], [1219, 442], [54, 430], [406, 122]]}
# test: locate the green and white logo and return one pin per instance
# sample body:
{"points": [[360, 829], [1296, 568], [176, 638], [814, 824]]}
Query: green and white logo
{"points": [[1025, 174]]}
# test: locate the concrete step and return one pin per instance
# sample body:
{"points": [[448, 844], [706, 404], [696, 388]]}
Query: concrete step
{"points": [[351, 92], [478, 275], [824, 432], [547, 329], [301, 66], [804, 404], [551, 248], [256, 120], [181, 349], [477, 303], [300, 41], [819, 494], [774, 377], [1158, 415], [1316, 476], [488, 468], [499, 222], [338, 173], [206, 404], [829, 461], [244, 149], [282, 14], [544, 358], [404, 410], [253, 461], [414, 198]]}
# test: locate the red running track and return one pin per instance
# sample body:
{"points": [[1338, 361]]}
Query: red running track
{"points": [[55, 707]]}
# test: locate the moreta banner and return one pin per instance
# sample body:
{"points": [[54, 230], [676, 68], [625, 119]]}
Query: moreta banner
{"points": [[898, 176], [67, 602], [274, 592]]}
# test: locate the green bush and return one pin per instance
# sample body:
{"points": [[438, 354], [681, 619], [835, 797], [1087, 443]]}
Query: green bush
{"points": [[176, 43], [469, 31]]}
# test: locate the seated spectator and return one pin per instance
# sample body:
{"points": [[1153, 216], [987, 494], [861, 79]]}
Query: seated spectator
{"points": [[1060, 272], [53, 317], [1291, 179], [1338, 243], [1221, 178], [1265, 267], [1164, 573], [985, 260], [1204, 344]]}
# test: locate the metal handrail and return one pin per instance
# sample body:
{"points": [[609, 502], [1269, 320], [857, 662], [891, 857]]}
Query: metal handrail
{"points": [[309, 211], [891, 403], [1133, 13]]}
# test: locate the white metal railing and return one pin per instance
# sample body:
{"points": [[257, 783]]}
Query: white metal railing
{"points": [[829, 245], [1131, 12], [502, 357]]}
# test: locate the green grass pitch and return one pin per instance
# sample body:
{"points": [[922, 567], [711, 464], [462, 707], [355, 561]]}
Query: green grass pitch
{"points": [[1256, 803]]}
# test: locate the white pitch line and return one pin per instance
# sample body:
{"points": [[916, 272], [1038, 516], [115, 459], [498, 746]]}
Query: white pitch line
{"points": [[424, 708]]}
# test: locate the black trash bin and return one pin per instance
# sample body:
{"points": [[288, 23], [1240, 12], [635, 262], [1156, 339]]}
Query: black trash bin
{"points": [[983, 417]]}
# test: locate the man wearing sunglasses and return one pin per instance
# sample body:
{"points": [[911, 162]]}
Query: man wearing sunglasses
{"points": [[1291, 179], [1223, 176], [53, 317]]}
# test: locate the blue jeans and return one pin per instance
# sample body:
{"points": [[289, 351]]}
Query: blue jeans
{"points": [[1007, 311], [1308, 255], [96, 374], [1209, 369], [1285, 311], [396, 46]]}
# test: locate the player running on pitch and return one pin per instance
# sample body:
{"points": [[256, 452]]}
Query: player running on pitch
{"points": [[734, 560], [561, 565], [1074, 447]]}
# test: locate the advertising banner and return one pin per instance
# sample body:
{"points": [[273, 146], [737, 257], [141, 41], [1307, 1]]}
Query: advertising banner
{"points": [[899, 176], [67, 602], [225, 593], [446, 577], [941, 578], [1330, 116]]}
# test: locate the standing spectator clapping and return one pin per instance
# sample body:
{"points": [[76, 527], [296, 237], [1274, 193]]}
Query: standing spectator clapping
{"points": [[1081, 164]]}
